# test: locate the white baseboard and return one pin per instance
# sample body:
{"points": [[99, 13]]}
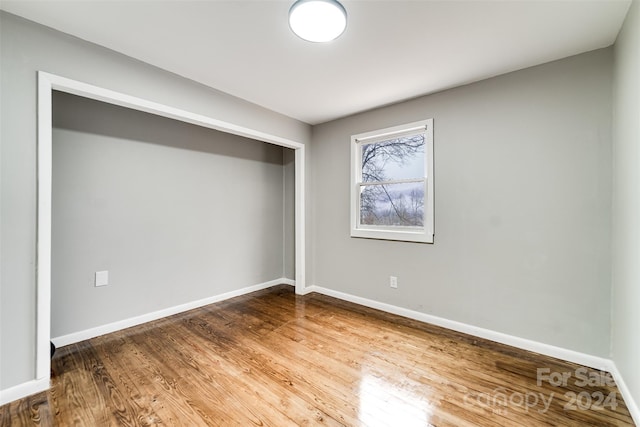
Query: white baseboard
{"points": [[138, 320], [523, 343], [286, 281], [309, 289], [632, 406], [595, 362], [23, 390], [36, 386]]}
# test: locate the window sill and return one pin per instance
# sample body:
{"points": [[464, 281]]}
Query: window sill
{"points": [[397, 235]]}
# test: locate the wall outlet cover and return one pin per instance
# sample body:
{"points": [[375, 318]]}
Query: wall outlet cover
{"points": [[102, 278], [393, 281]]}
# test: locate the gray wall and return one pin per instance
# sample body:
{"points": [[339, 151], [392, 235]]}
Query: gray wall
{"points": [[173, 211], [522, 207], [288, 159], [625, 348], [26, 47]]}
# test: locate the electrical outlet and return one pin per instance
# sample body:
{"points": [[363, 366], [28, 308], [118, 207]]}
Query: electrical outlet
{"points": [[102, 278], [393, 281]]}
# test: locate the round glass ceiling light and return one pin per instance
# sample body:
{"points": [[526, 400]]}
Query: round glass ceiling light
{"points": [[317, 20]]}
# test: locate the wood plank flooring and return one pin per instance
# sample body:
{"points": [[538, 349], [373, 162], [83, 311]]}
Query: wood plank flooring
{"points": [[272, 358]]}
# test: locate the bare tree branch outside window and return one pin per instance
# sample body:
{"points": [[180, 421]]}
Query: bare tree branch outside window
{"points": [[385, 201]]}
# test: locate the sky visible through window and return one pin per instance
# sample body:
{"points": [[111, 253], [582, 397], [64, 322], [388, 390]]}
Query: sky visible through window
{"points": [[395, 204]]}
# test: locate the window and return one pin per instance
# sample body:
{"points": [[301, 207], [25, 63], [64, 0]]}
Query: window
{"points": [[392, 183]]}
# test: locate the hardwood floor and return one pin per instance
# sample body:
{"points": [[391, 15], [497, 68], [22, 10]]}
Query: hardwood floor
{"points": [[272, 358]]}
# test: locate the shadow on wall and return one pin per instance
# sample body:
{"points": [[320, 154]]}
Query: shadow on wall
{"points": [[96, 117]]}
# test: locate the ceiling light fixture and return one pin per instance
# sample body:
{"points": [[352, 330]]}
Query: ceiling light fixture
{"points": [[317, 20]]}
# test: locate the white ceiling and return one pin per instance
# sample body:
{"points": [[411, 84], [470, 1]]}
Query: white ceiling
{"points": [[391, 51]]}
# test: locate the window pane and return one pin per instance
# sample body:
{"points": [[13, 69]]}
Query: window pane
{"points": [[399, 158], [392, 204]]}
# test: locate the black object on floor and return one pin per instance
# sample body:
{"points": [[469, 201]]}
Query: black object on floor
{"points": [[53, 348]]}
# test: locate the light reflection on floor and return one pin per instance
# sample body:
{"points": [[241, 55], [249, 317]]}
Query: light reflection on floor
{"points": [[385, 404]]}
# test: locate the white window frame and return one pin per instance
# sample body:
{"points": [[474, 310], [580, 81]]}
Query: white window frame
{"points": [[423, 234]]}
